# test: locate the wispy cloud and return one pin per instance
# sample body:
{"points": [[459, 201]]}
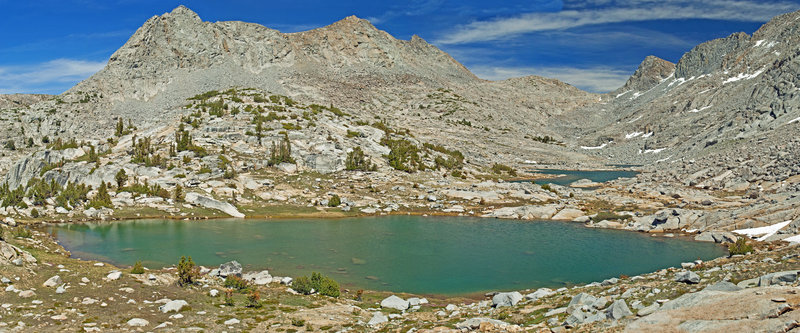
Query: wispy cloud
{"points": [[616, 12], [53, 76], [594, 79]]}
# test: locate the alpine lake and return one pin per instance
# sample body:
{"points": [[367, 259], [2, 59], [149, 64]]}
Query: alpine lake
{"points": [[423, 255]]}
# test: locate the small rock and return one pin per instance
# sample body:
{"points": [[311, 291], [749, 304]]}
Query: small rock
{"points": [[114, 275], [540, 293], [648, 310], [52, 282], [27, 294], [618, 310], [687, 277], [232, 321], [138, 322], [171, 306], [506, 299], [723, 286], [377, 319], [230, 268], [213, 293]]}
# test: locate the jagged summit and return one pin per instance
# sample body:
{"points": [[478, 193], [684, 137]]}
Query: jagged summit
{"points": [[183, 11], [652, 71]]}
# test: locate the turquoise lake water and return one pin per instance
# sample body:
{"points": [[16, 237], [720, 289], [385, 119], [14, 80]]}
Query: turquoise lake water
{"points": [[569, 176], [426, 255]]}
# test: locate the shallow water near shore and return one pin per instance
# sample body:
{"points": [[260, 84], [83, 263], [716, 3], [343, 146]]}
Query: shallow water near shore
{"points": [[425, 255], [566, 177]]}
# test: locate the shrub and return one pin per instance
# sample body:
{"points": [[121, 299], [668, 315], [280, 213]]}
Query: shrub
{"points": [[302, 285], [298, 322], [335, 201], [137, 268], [403, 155], [281, 152], [254, 299], [235, 282], [10, 145], [21, 232], [183, 142], [72, 195], [318, 282], [58, 144], [39, 190], [179, 196], [357, 160], [501, 168], [186, 271], [102, 198], [329, 287], [34, 213], [609, 216], [121, 177], [12, 198], [228, 297], [740, 247]]}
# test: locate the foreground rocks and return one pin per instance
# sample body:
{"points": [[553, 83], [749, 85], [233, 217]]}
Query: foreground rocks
{"points": [[718, 311]]}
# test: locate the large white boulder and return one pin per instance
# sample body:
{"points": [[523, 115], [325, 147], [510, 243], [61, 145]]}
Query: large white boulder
{"points": [[394, 302]]}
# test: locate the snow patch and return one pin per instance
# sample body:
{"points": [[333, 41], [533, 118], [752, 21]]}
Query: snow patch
{"points": [[636, 95], [664, 159], [647, 135], [654, 151], [700, 109], [620, 95], [759, 42], [764, 232], [598, 147], [793, 121], [633, 135], [743, 76], [793, 239], [679, 81], [637, 118]]}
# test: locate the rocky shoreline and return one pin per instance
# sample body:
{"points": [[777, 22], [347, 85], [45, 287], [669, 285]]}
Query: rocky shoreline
{"points": [[44, 289]]}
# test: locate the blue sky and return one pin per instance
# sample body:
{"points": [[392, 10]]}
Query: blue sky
{"points": [[47, 46]]}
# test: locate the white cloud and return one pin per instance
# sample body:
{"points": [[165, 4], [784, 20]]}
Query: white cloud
{"points": [[630, 11], [48, 77], [594, 79]]}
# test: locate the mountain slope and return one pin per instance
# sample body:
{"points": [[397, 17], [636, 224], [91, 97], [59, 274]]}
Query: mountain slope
{"points": [[724, 90]]}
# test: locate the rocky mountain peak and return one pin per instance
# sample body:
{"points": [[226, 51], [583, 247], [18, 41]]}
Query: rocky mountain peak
{"points": [[183, 12], [652, 71], [178, 50]]}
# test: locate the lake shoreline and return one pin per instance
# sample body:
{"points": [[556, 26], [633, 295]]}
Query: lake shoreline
{"points": [[369, 220]]}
